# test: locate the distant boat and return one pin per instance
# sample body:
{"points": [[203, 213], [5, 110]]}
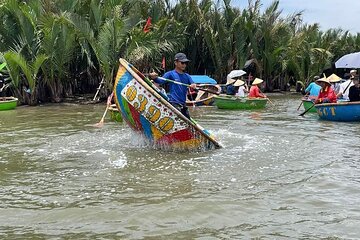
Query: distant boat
{"points": [[308, 104], [146, 110], [203, 98], [340, 112], [234, 102], [203, 79], [8, 103]]}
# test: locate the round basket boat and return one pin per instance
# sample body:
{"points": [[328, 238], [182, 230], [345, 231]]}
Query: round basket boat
{"points": [[8, 103], [340, 112], [234, 102]]}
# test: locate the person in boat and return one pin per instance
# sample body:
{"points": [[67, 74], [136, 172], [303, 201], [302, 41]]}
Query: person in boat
{"points": [[327, 94], [345, 87], [313, 89], [353, 73], [162, 90], [230, 88], [255, 90], [354, 92], [192, 94], [177, 93], [335, 82], [242, 88]]}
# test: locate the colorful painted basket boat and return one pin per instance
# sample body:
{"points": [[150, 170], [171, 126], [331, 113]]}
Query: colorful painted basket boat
{"points": [[341, 112], [234, 102], [146, 111], [8, 103]]}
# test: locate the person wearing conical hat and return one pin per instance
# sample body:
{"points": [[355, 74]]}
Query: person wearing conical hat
{"points": [[334, 80], [255, 90], [327, 94], [242, 88], [230, 88]]}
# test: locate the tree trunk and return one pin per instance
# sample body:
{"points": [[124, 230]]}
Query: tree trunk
{"points": [[56, 91]]}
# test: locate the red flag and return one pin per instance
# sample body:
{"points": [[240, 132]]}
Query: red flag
{"points": [[147, 25], [163, 62]]}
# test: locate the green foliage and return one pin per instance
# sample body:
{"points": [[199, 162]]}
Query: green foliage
{"points": [[17, 64]]}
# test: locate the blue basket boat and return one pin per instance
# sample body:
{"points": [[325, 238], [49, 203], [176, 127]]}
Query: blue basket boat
{"points": [[340, 112]]}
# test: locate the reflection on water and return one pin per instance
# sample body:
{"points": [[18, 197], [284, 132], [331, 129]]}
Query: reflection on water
{"points": [[279, 176]]}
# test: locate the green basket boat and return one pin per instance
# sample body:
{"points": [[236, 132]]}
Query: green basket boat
{"points": [[233, 102], [115, 115], [308, 104], [8, 103]]}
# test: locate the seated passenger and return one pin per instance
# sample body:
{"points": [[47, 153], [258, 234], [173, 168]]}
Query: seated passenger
{"points": [[255, 90], [327, 94], [242, 89], [354, 92]]}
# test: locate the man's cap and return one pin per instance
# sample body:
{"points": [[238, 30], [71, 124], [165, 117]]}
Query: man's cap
{"points": [[353, 71], [181, 57]]}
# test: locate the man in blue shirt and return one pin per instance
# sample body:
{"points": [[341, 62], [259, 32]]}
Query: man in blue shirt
{"points": [[313, 89], [177, 93]]}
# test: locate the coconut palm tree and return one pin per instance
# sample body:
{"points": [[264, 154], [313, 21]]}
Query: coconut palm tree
{"points": [[24, 75]]}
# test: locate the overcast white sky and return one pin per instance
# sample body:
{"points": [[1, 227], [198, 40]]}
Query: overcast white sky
{"points": [[328, 13]]}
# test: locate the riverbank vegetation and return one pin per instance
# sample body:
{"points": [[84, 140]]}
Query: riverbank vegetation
{"points": [[57, 48]]}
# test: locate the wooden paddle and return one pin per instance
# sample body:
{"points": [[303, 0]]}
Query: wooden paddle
{"points": [[101, 122], [187, 85], [108, 104], [267, 98], [270, 101], [347, 87], [299, 106], [302, 101], [302, 114]]}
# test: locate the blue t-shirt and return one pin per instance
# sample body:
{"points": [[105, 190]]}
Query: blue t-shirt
{"points": [[177, 93], [314, 89], [230, 90]]}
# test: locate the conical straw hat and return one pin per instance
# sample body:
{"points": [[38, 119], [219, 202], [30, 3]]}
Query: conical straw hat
{"points": [[333, 78], [257, 81], [230, 81], [239, 83], [324, 80]]}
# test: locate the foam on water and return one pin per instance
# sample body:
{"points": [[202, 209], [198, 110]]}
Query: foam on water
{"points": [[118, 161]]}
